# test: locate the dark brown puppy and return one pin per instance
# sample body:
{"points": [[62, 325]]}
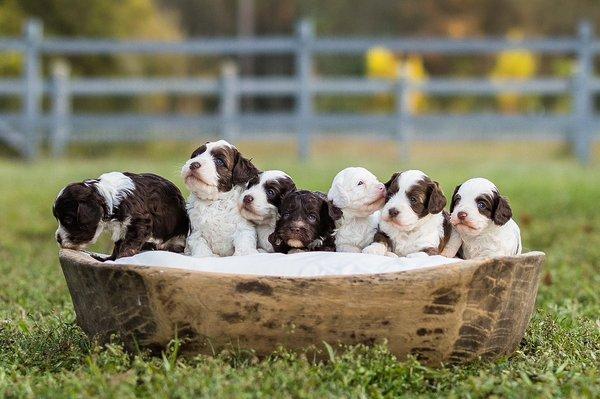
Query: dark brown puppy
{"points": [[142, 211], [306, 223]]}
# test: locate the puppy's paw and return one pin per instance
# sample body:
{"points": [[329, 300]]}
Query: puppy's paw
{"points": [[127, 253], [417, 255], [375, 249], [100, 258], [391, 254], [295, 251]]}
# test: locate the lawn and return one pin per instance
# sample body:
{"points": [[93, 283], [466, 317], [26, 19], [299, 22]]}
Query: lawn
{"points": [[44, 354]]}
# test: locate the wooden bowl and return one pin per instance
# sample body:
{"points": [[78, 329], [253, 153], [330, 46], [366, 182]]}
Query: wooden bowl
{"points": [[451, 313]]}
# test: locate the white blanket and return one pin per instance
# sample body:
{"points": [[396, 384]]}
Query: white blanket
{"points": [[307, 264]]}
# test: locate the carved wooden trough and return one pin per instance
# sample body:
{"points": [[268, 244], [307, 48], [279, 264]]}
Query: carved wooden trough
{"points": [[444, 314]]}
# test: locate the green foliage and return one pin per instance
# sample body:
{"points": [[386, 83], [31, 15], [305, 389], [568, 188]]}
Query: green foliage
{"points": [[44, 354], [131, 19]]}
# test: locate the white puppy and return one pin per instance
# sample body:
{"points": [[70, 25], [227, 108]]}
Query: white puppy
{"points": [[216, 174], [359, 195], [260, 201], [412, 222], [483, 220]]}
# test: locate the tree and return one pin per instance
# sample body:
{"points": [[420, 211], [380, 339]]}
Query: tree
{"points": [[91, 18]]}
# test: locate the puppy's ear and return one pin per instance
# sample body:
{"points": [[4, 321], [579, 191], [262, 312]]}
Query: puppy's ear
{"points": [[334, 212], [452, 200], [288, 186], [437, 200], [243, 170], [501, 212], [328, 211], [87, 213], [274, 239], [337, 194], [389, 182]]}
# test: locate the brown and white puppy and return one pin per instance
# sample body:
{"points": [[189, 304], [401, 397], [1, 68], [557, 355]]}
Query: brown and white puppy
{"points": [[217, 174], [259, 203], [483, 220], [412, 221], [306, 223], [142, 211]]}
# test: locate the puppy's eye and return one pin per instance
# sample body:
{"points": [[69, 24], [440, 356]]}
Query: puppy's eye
{"points": [[270, 193], [68, 220], [219, 162], [481, 205], [412, 199], [285, 215], [312, 218], [360, 183]]}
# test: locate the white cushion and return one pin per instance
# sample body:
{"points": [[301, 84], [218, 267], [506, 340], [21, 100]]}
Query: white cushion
{"points": [[306, 264]]}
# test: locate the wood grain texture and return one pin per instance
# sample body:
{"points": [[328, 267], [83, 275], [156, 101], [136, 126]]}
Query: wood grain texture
{"points": [[447, 314]]}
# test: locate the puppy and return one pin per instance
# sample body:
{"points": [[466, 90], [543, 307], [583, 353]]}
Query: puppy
{"points": [[306, 223], [412, 221], [359, 195], [483, 220], [216, 175], [260, 201], [141, 210]]}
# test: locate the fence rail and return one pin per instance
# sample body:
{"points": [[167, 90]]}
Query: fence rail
{"points": [[63, 125]]}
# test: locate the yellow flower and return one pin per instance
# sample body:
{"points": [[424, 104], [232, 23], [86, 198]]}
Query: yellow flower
{"points": [[514, 65], [416, 73], [381, 63]]}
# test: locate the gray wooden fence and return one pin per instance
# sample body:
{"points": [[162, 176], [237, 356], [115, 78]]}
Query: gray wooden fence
{"points": [[25, 131]]}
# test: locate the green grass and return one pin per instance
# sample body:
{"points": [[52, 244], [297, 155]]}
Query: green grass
{"points": [[44, 354]]}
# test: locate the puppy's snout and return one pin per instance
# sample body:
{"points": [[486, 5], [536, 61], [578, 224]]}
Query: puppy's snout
{"points": [[295, 229], [195, 165], [393, 212], [248, 199], [462, 215], [381, 187]]}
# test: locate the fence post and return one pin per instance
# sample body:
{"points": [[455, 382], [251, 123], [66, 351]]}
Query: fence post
{"points": [[403, 113], [229, 101], [304, 107], [32, 88], [583, 97], [61, 108]]}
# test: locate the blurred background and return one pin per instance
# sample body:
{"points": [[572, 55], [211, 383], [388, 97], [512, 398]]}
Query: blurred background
{"points": [[502, 89], [76, 73]]}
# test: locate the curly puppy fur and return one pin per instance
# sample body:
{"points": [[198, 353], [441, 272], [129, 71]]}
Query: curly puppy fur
{"points": [[360, 196], [260, 201], [142, 211], [412, 222], [483, 220], [216, 175], [306, 223]]}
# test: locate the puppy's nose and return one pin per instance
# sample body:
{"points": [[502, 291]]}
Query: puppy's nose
{"points": [[462, 215], [295, 229], [248, 199], [381, 187], [195, 165], [393, 212]]}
